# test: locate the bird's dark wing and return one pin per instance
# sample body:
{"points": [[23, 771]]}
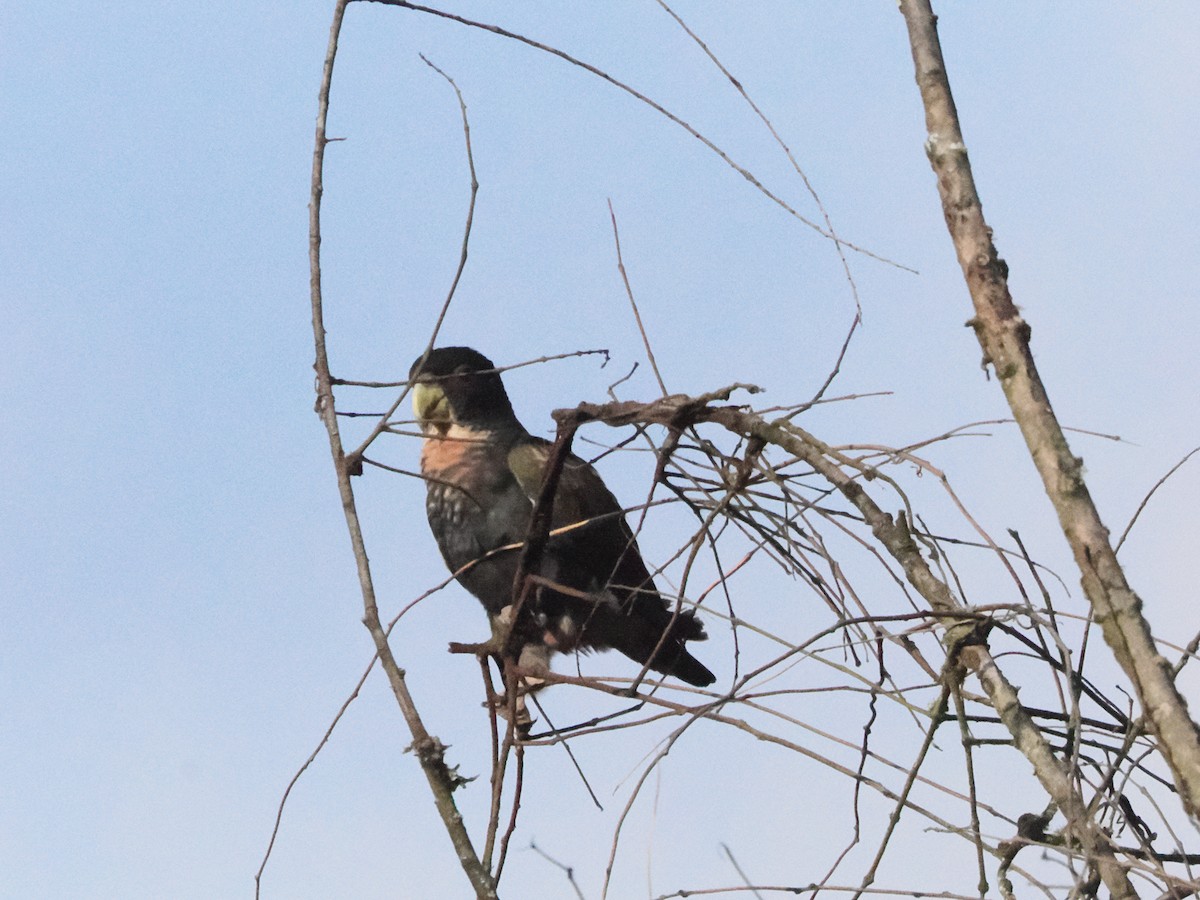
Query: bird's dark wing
{"points": [[594, 550], [596, 534]]}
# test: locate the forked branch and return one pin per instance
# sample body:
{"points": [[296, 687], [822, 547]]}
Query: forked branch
{"points": [[964, 640]]}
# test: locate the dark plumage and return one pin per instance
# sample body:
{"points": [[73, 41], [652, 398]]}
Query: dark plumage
{"points": [[483, 471]]}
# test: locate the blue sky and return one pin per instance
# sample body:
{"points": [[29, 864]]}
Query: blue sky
{"points": [[182, 615]]}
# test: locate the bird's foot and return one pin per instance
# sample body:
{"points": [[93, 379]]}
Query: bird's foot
{"points": [[516, 710], [522, 680]]}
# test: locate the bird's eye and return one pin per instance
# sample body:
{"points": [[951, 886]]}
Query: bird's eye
{"points": [[464, 369]]}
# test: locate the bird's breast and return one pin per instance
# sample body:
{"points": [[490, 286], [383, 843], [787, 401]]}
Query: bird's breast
{"points": [[457, 463], [473, 502]]}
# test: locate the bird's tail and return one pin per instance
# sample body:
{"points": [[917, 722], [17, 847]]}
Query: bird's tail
{"points": [[687, 668], [673, 658]]}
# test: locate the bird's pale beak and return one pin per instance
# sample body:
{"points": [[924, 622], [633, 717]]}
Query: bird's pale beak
{"points": [[430, 404]]}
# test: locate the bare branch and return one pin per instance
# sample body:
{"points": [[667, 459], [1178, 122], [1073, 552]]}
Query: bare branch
{"points": [[386, 418], [637, 315], [1004, 337], [429, 751], [1133, 521], [962, 636], [661, 110]]}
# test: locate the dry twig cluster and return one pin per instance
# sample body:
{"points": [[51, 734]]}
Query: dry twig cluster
{"points": [[922, 658]]}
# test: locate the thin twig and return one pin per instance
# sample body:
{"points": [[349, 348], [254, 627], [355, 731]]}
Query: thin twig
{"points": [[939, 710], [304, 767], [637, 315], [661, 110], [385, 419], [567, 870], [737, 867], [1175, 468], [529, 362]]}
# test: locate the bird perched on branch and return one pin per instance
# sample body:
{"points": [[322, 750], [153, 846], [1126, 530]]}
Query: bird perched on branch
{"points": [[484, 472]]}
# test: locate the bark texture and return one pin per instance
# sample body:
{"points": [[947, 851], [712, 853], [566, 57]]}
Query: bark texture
{"points": [[1004, 337]]}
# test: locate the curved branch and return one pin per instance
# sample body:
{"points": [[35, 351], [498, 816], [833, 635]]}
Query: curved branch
{"points": [[963, 638], [661, 110]]}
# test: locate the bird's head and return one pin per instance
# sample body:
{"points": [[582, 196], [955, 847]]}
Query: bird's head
{"points": [[459, 386]]}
